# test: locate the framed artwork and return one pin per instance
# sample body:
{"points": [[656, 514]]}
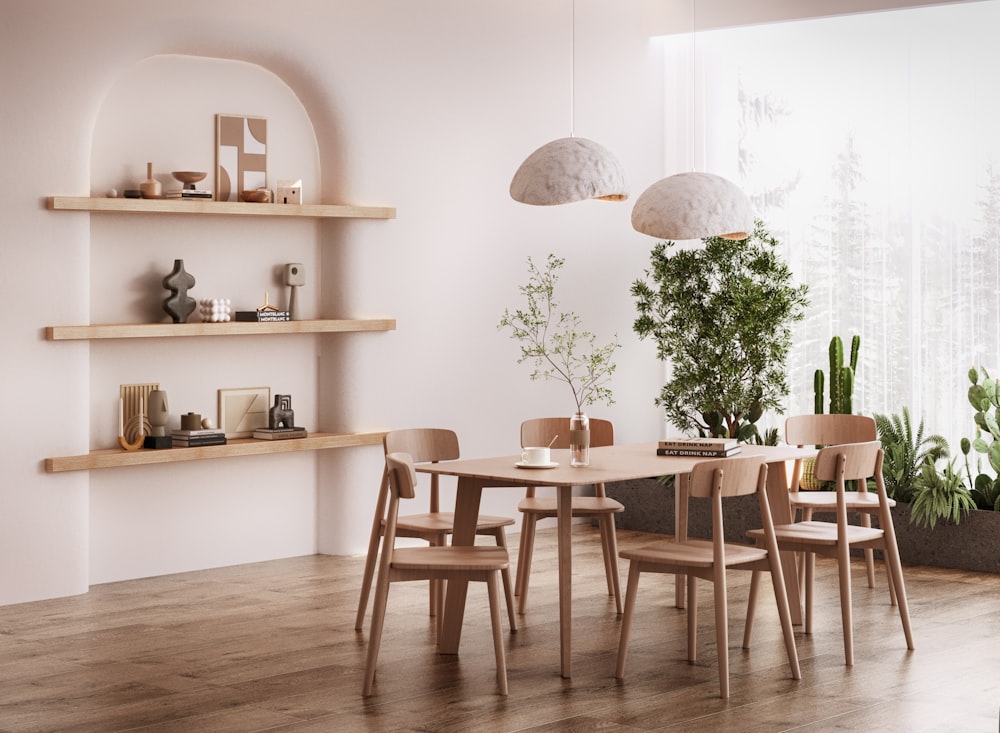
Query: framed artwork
{"points": [[241, 411], [240, 155]]}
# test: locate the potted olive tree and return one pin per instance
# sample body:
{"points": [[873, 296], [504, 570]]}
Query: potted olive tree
{"points": [[722, 315], [559, 349]]}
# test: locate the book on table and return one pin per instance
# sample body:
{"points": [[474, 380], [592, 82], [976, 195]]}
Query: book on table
{"points": [[698, 447], [699, 452]]}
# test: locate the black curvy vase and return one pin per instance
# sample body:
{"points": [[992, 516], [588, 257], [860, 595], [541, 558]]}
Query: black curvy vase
{"points": [[178, 304]]}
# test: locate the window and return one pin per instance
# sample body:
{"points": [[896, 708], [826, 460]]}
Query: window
{"points": [[870, 147]]}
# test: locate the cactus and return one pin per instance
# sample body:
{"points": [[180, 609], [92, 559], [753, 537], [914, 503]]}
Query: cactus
{"points": [[841, 378]]}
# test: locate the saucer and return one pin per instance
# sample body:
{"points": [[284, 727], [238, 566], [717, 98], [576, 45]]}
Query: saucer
{"points": [[522, 464]]}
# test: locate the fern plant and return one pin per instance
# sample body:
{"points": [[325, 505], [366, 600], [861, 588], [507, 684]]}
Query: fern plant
{"points": [[940, 496], [906, 452]]}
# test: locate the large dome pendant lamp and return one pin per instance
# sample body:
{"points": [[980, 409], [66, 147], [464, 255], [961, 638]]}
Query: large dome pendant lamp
{"points": [[693, 205], [571, 168]]}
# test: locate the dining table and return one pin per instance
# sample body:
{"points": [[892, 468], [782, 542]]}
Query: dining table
{"points": [[608, 464]]}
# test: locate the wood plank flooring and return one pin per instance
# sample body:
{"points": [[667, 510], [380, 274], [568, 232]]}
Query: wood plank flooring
{"points": [[271, 647]]}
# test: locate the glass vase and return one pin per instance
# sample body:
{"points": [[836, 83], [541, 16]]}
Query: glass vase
{"points": [[579, 440]]}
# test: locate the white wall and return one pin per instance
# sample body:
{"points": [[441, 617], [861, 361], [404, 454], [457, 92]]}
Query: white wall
{"points": [[428, 106]]}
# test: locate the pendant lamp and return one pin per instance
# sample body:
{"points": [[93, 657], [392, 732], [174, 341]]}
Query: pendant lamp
{"points": [[693, 206], [570, 168]]}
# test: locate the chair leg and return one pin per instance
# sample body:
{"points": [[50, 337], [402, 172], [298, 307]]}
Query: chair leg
{"points": [[891, 552], [692, 620], [866, 521], [491, 585], [810, 561], [366, 581], [524, 559], [722, 630], [844, 572], [752, 607], [631, 591], [501, 538], [784, 613], [609, 544], [375, 636]]}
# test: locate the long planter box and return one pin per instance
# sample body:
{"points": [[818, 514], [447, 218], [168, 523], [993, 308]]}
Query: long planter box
{"points": [[972, 545]]}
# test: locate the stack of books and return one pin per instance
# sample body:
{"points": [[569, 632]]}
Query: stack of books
{"points": [[195, 438], [279, 433], [698, 447], [263, 316], [188, 193]]}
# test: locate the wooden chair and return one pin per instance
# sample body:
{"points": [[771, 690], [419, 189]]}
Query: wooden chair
{"points": [[541, 431], [824, 430], [709, 560], [440, 563], [843, 463], [427, 444]]}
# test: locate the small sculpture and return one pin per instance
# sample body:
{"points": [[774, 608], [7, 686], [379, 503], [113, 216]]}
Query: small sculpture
{"points": [[178, 282], [215, 310], [281, 414]]}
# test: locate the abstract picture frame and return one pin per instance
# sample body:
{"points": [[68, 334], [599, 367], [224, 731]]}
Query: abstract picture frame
{"points": [[240, 155], [241, 411]]}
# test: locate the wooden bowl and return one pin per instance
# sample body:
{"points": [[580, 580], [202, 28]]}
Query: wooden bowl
{"points": [[256, 196], [189, 176]]}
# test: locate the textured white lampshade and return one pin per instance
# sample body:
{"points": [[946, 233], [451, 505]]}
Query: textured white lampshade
{"points": [[693, 206], [566, 170]]}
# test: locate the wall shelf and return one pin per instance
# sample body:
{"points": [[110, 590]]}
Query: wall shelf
{"points": [[116, 457], [232, 328], [223, 208]]}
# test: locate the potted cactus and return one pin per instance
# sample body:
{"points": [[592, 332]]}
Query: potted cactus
{"points": [[841, 397]]}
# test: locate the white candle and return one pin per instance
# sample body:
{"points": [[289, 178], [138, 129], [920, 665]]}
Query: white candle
{"points": [[142, 418], [121, 417]]}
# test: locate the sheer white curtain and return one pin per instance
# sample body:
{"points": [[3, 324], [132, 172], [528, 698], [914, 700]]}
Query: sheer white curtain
{"points": [[870, 146]]}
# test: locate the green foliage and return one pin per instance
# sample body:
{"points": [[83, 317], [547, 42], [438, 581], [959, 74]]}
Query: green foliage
{"points": [[555, 343], [905, 453], [841, 378], [939, 496], [984, 396], [721, 314]]}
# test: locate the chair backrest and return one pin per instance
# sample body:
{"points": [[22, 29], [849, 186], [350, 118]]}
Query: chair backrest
{"points": [[849, 462], [821, 430], [423, 445], [402, 475], [725, 477], [541, 431]]}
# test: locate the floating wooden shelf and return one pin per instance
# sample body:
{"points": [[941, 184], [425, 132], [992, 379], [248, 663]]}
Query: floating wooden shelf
{"points": [[233, 328], [224, 208], [116, 457]]}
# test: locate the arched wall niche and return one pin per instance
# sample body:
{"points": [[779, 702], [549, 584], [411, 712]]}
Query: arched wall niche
{"points": [[181, 517]]}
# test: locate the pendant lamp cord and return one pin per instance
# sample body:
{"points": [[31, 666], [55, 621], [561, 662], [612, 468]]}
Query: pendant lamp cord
{"points": [[572, 71]]}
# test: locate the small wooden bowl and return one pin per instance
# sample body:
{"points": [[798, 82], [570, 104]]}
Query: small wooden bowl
{"points": [[189, 176], [257, 196]]}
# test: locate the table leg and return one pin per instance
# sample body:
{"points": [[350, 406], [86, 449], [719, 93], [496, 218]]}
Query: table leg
{"points": [[781, 512], [564, 521], [466, 517], [680, 531]]}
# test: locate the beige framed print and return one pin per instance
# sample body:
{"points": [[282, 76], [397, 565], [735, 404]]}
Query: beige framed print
{"points": [[240, 155], [241, 411]]}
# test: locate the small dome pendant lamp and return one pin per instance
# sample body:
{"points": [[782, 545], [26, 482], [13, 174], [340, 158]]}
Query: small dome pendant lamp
{"points": [[693, 206], [571, 168]]}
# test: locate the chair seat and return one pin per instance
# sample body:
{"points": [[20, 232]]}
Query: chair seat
{"points": [[818, 533], [464, 558], [827, 500], [582, 505], [693, 553], [443, 522]]}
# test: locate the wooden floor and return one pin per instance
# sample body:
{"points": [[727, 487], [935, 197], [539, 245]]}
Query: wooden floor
{"points": [[271, 646]]}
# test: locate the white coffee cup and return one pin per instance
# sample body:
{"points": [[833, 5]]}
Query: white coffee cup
{"points": [[536, 456]]}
